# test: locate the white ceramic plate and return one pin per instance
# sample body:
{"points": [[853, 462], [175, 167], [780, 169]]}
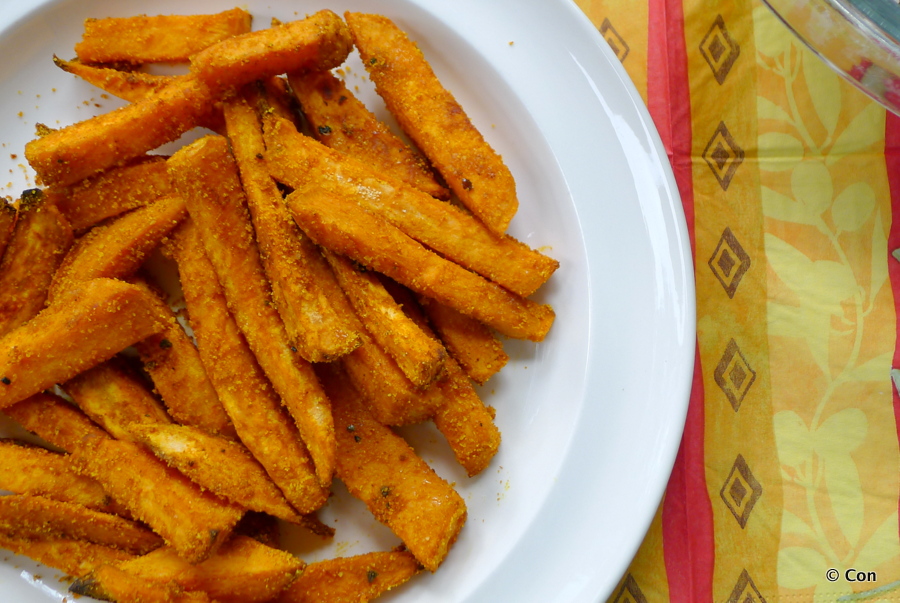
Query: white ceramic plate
{"points": [[592, 417]]}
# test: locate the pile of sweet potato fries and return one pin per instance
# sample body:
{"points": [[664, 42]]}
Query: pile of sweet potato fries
{"points": [[337, 282]]}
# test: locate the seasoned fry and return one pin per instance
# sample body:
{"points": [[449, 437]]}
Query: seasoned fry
{"points": [[340, 121], [320, 41], [117, 249], [205, 174], [73, 557], [473, 345], [338, 223], [193, 522], [242, 571], [399, 488], [116, 397], [110, 583], [7, 222], [354, 579], [434, 120], [85, 327], [36, 517], [420, 357], [255, 409], [159, 38], [225, 468], [115, 191], [127, 85], [295, 160], [84, 149], [56, 421], [28, 469], [463, 419], [288, 259], [40, 239], [172, 361]]}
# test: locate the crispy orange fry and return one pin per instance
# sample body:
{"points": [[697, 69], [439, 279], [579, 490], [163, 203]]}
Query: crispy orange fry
{"points": [[288, 259], [7, 222], [172, 361], [29, 469], [320, 41], [295, 160], [116, 397], [354, 579], [56, 421], [472, 344], [340, 121], [463, 419], [433, 119], [382, 470], [25, 516], [338, 223], [205, 174], [115, 191], [110, 583], [223, 467], [39, 241], [85, 327], [242, 571], [117, 249], [127, 85], [190, 520], [73, 557], [158, 38], [419, 356], [255, 409]]}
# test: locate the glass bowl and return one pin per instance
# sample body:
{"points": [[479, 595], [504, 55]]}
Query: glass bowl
{"points": [[860, 39]]}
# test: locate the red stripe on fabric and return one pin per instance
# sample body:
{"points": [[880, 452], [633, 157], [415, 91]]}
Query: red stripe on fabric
{"points": [[892, 161], [687, 521]]}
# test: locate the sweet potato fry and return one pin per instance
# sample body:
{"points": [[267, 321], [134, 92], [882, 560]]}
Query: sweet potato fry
{"points": [[85, 327], [205, 174], [336, 222], [73, 557], [172, 361], [26, 516], [242, 571], [463, 419], [158, 38], [110, 583], [127, 85], [354, 579], [382, 470], [294, 160], [84, 149], [116, 397], [7, 222], [420, 357], [117, 249], [55, 420], [342, 122], [320, 41], [434, 120], [29, 469], [138, 182], [288, 259], [473, 345], [39, 241], [255, 409], [193, 522], [223, 467]]}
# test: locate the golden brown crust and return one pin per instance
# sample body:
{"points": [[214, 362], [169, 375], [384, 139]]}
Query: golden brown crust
{"points": [[434, 120], [73, 557], [157, 38], [342, 122]]}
